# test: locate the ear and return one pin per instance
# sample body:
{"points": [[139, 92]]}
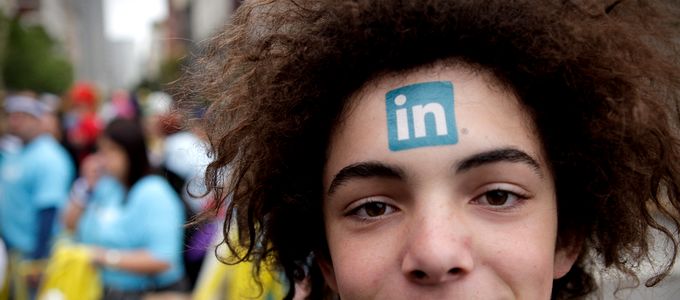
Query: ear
{"points": [[565, 257], [328, 272]]}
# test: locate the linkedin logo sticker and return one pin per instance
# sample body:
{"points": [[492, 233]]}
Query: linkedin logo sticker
{"points": [[420, 115]]}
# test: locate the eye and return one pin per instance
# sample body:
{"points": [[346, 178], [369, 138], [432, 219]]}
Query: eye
{"points": [[371, 209], [500, 199]]}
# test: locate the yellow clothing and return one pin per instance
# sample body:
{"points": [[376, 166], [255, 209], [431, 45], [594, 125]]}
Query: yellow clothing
{"points": [[71, 275]]}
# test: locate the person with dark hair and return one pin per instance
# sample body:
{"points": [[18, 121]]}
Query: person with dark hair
{"points": [[438, 149], [132, 218]]}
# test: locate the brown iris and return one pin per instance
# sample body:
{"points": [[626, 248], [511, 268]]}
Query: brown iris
{"points": [[497, 197], [374, 209]]}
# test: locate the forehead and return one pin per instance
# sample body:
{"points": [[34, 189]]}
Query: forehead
{"points": [[486, 115], [21, 114], [470, 85], [105, 143]]}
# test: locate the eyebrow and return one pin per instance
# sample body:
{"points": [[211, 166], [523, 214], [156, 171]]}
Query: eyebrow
{"points": [[365, 170], [498, 155]]}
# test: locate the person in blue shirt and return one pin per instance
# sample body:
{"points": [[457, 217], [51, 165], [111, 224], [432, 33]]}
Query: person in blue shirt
{"points": [[34, 182], [132, 218]]}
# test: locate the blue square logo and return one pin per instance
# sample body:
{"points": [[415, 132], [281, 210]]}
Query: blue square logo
{"points": [[421, 115]]}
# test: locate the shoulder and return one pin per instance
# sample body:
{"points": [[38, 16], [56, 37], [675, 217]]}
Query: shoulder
{"points": [[48, 151], [47, 160], [108, 188], [154, 196], [154, 187]]}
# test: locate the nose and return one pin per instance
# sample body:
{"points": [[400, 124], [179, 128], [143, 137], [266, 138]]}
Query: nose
{"points": [[438, 251]]}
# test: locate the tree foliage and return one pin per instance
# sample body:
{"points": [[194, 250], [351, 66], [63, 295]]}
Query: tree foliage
{"points": [[33, 61]]}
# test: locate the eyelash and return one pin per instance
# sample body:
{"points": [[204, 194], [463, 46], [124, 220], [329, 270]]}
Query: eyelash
{"points": [[517, 199], [357, 209]]}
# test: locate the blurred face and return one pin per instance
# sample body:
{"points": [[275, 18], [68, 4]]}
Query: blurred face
{"points": [[436, 188], [113, 158], [23, 125]]}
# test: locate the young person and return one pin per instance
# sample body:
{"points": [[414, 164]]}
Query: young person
{"points": [[132, 219], [445, 149]]}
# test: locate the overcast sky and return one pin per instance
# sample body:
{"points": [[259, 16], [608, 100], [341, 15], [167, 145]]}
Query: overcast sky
{"points": [[132, 19]]}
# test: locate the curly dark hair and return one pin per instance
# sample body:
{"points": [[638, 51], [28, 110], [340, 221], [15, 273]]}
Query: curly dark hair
{"points": [[279, 76]]}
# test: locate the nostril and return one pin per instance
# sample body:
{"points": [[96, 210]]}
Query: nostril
{"points": [[455, 271], [418, 274]]}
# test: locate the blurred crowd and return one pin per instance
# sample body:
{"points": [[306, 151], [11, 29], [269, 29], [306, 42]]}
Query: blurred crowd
{"points": [[105, 185]]}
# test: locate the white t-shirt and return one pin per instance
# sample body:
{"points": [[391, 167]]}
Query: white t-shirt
{"points": [[186, 155]]}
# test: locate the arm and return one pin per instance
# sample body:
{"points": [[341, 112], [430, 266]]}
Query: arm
{"points": [[81, 192], [158, 215], [46, 220], [80, 195], [137, 261], [72, 215]]}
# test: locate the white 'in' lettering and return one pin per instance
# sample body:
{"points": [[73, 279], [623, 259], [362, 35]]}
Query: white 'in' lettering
{"points": [[402, 118], [419, 112]]}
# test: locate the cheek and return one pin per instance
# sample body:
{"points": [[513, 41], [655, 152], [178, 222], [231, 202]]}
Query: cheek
{"points": [[13, 122], [363, 262], [524, 255], [114, 162], [110, 164], [122, 163]]}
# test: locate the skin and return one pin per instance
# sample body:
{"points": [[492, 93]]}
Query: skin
{"points": [[113, 158], [90, 169], [473, 220], [25, 126]]}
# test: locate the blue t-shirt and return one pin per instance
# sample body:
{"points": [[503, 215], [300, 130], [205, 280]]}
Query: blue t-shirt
{"points": [[37, 177], [151, 218]]}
